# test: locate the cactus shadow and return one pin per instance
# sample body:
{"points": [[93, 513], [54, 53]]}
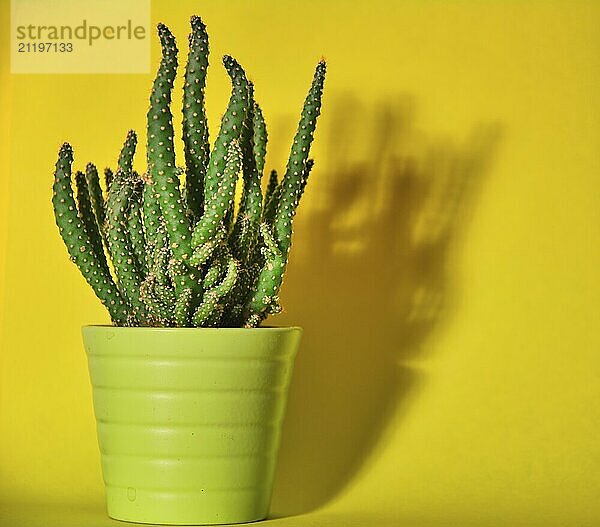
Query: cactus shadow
{"points": [[370, 281]]}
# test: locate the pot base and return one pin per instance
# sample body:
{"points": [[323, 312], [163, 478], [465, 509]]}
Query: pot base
{"points": [[181, 508]]}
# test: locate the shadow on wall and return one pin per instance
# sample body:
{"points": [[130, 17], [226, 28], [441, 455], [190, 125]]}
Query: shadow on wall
{"points": [[369, 281]]}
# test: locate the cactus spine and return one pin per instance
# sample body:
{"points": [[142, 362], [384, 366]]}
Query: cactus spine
{"points": [[181, 254]]}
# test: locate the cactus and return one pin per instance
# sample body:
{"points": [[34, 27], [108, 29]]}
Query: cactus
{"points": [[161, 151], [108, 177], [169, 248], [128, 272], [271, 187], [77, 240], [195, 127], [93, 183]]}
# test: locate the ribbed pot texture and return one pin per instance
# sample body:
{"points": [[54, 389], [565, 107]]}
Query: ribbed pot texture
{"points": [[189, 419]]}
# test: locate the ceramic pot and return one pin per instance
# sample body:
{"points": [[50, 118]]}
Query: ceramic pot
{"points": [[189, 419]]}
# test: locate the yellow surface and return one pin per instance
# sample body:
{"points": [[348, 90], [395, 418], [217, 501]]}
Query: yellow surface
{"points": [[446, 267]]}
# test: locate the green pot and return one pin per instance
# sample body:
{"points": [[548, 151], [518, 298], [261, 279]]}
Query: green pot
{"points": [[189, 420]]}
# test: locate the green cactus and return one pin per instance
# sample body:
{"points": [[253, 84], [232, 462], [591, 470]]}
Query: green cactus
{"points": [[195, 126], [161, 151], [125, 162], [245, 229], [264, 300], [180, 253], [215, 271], [231, 125], [135, 225], [108, 177], [272, 200], [88, 218], [96, 197], [159, 313], [210, 306], [292, 181], [153, 224], [203, 253], [78, 243], [271, 187], [129, 275], [259, 138], [217, 203]]}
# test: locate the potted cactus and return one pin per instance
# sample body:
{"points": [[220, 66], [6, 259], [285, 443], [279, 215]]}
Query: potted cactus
{"points": [[189, 391]]}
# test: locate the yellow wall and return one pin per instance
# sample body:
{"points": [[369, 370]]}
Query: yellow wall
{"points": [[5, 88], [446, 267]]}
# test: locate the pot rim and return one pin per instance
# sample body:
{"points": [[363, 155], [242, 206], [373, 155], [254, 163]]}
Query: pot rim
{"points": [[187, 329]]}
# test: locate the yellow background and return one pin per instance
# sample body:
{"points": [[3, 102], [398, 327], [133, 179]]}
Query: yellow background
{"points": [[446, 266]]}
